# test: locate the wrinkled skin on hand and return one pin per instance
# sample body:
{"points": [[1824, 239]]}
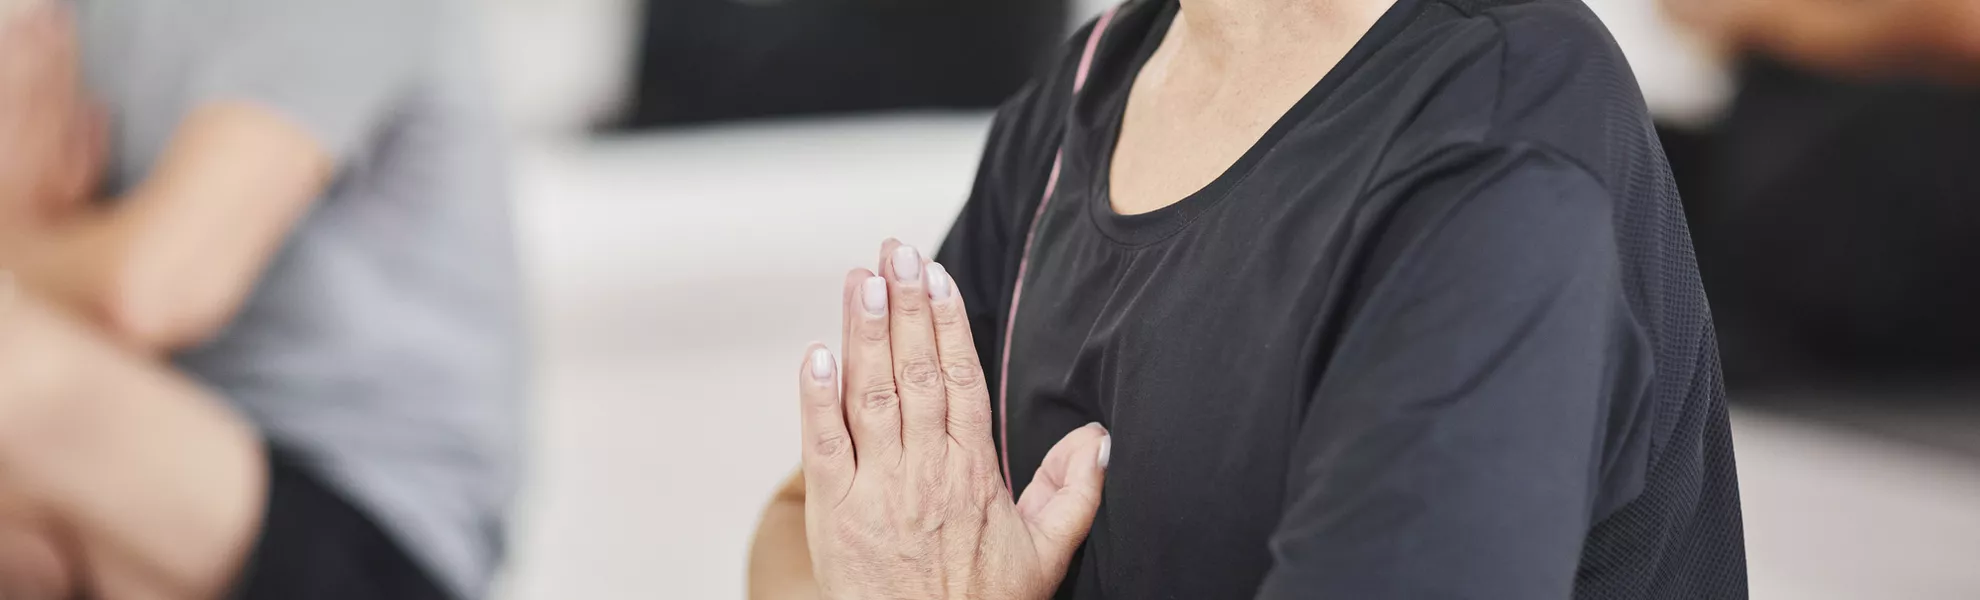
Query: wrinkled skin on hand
{"points": [[903, 497]]}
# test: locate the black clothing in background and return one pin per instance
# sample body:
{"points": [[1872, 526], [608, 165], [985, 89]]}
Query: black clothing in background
{"points": [[314, 545], [1839, 224], [704, 60], [1439, 334]]}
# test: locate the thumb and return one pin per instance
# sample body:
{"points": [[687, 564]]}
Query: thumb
{"points": [[1059, 503]]}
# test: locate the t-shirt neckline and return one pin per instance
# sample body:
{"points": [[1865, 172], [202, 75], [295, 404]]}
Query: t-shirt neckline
{"points": [[1153, 226]]}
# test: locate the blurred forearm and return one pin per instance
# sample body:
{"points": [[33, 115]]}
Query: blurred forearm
{"points": [[1932, 38], [72, 265], [167, 265], [779, 558], [1925, 37], [94, 265]]}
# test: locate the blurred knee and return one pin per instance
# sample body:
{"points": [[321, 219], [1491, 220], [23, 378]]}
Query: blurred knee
{"points": [[36, 366], [33, 565], [36, 562]]}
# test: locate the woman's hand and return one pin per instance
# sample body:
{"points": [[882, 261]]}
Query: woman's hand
{"points": [[903, 496], [52, 136]]}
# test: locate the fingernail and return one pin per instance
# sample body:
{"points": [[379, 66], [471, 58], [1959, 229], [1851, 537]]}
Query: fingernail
{"points": [[873, 294], [821, 365], [907, 264], [939, 286], [1106, 451]]}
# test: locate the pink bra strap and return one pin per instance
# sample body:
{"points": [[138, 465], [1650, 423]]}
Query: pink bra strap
{"points": [[1024, 259]]}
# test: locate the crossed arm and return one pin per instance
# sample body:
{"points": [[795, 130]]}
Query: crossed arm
{"points": [[88, 416], [168, 264]]}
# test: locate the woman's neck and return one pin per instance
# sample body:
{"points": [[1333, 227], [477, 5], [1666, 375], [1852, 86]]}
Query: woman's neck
{"points": [[1220, 32]]}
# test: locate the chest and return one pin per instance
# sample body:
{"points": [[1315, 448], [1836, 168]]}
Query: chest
{"points": [[1199, 354], [1177, 138], [1201, 348], [1198, 351], [1196, 332]]}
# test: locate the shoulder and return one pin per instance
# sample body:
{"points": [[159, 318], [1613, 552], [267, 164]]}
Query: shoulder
{"points": [[1560, 70], [1531, 42], [1544, 73], [1546, 83]]}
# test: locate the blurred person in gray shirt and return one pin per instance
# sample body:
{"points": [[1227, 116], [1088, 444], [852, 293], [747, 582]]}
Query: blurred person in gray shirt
{"points": [[270, 348]]}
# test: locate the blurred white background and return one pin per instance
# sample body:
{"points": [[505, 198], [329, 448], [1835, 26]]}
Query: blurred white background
{"points": [[676, 277]]}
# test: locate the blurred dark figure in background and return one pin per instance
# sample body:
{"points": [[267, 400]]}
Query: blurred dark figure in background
{"points": [[277, 357], [704, 60], [1837, 206]]}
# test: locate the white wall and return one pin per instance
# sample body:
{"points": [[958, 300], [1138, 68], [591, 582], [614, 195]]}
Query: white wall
{"points": [[1681, 79], [561, 65]]}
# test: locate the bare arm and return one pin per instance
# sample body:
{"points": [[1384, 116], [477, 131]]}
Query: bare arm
{"points": [[52, 137], [170, 263], [779, 558], [145, 485], [287, 92], [1937, 38]]}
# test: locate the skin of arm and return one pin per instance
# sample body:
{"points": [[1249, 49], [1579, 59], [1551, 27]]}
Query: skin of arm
{"points": [[134, 481], [780, 557], [1932, 38], [167, 265], [52, 137]]}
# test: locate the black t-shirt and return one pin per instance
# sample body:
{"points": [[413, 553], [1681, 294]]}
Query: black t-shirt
{"points": [[1438, 334]]}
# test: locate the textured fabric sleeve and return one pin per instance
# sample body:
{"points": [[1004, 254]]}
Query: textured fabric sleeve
{"points": [[335, 67], [1451, 447]]}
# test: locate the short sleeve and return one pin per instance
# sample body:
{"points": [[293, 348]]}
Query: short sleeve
{"points": [[1452, 445], [335, 67]]}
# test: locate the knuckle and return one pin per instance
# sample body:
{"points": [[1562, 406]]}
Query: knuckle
{"points": [[927, 514], [992, 492], [831, 445], [920, 372], [879, 397], [963, 374], [926, 523]]}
